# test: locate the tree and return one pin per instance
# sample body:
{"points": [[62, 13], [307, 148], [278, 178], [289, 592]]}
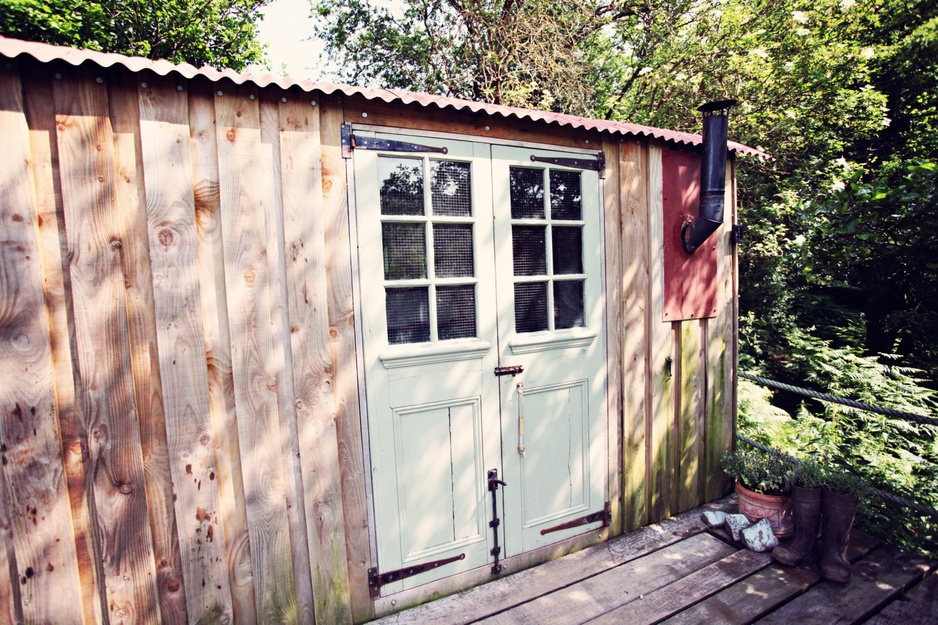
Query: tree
{"points": [[220, 33], [534, 53]]}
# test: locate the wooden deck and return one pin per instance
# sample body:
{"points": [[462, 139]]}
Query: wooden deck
{"points": [[678, 572]]}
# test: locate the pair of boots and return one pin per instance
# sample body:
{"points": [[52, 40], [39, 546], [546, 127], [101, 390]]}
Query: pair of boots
{"points": [[814, 507]]}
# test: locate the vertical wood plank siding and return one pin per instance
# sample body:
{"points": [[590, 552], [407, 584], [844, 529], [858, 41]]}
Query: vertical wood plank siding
{"points": [[180, 424]]}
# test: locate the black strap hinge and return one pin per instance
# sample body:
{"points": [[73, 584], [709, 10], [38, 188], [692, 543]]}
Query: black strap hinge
{"points": [[604, 515], [377, 580], [351, 142], [576, 163]]}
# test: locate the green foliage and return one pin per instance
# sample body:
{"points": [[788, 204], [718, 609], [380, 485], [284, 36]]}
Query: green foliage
{"points": [[809, 473], [895, 455], [762, 472], [879, 233], [220, 33]]}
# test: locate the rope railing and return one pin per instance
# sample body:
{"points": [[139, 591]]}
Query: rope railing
{"points": [[887, 497], [889, 412]]}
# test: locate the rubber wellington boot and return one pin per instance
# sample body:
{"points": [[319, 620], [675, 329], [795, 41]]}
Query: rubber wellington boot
{"points": [[838, 511], [806, 509]]}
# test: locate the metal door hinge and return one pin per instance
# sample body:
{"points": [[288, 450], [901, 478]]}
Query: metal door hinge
{"points": [[576, 163], [738, 234], [377, 580], [604, 515], [352, 142]]}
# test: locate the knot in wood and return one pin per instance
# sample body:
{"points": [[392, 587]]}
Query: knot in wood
{"points": [[166, 237], [126, 488]]}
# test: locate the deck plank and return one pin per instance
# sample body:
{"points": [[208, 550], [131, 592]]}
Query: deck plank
{"points": [[763, 592], [917, 607], [877, 580], [512, 590], [611, 589], [661, 574], [688, 590]]}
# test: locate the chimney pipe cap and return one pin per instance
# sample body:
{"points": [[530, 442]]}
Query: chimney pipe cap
{"points": [[718, 105]]}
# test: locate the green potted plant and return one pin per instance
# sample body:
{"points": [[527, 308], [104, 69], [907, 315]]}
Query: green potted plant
{"points": [[763, 484]]}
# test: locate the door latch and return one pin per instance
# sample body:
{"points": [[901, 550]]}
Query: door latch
{"points": [[495, 522], [512, 370]]}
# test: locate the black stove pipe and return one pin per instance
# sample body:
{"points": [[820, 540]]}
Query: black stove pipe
{"points": [[712, 176]]}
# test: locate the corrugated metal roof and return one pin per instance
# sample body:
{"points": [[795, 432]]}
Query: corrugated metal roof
{"points": [[12, 48]]}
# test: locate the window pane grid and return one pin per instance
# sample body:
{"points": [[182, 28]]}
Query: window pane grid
{"points": [[547, 245], [429, 250]]}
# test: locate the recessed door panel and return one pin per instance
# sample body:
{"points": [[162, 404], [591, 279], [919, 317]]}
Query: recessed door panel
{"points": [[554, 476], [439, 479]]}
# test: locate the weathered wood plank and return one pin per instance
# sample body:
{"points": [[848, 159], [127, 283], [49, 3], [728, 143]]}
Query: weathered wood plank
{"points": [[34, 494], [631, 331], [877, 579], [689, 407], [919, 606], [53, 246], [306, 291], [246, 186], [214, 306], [720, 355], [686, 591], [141, 326], [169, 233], [612, 232], [762, 592], [508, 592], [282, 364], [618, 586], [86, 159], [345, 375], [659, 389]]}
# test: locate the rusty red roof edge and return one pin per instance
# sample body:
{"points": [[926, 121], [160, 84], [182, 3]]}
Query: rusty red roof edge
{"points": [[45, 53]]}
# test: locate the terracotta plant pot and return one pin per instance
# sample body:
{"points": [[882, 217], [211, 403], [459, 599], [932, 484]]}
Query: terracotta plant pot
{"points": [[775, 508]]}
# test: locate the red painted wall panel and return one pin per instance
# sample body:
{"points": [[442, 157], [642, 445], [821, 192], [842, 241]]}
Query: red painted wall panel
{"points": [[690, 289]]}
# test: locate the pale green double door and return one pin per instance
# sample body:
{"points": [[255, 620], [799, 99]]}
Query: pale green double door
{"points": [[471, 260]]}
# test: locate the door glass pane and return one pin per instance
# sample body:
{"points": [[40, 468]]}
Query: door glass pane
{"points": [[567, 244], [401, 185], [530, 250], [527, 193], [568, 304], [456, 312], [408, 315], [530, 307], [405, 251], [565, 195], [450, 188], [452, 250]]}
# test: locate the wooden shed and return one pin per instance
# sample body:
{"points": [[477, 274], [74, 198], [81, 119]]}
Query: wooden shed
{"points": [[281, 351]]}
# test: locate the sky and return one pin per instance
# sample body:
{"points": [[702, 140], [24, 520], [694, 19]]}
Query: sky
{"points": [[287, 29]]}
